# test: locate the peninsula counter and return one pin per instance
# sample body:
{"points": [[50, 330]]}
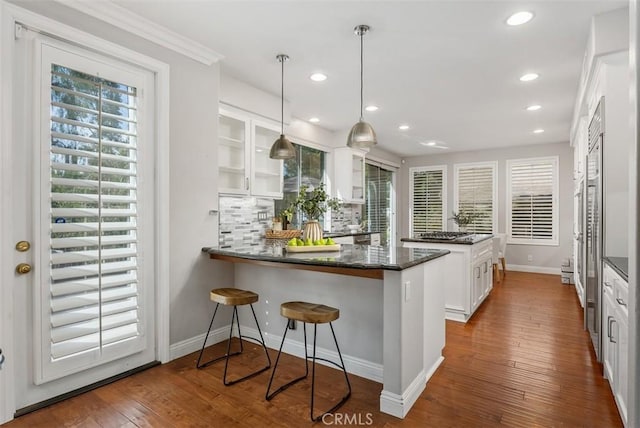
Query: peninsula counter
{"points": [[391, 299]]}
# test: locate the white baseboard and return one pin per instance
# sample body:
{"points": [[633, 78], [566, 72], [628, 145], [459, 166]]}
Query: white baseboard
{"points": [[354, 365], [180, 349], [434, 367], [534, 269], [399, 405]]}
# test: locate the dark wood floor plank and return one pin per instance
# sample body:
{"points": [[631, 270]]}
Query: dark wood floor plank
{"points": [[523, 360]]}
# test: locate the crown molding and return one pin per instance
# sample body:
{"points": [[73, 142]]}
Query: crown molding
{"points": [[126, 20]]}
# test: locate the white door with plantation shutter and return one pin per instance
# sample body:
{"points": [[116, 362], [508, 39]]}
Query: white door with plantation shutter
{"points": [[84, 199]]}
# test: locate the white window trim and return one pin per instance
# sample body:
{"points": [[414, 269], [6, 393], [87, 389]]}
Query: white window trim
{"points": [[492, 164], [10, 15], [554, 242], [442, 168]]}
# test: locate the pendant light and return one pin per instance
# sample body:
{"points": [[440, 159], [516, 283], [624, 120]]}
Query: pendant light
{"points": [[282, 147], [362, 135]]}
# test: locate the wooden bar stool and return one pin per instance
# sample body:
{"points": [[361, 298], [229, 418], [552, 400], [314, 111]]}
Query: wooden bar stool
{"points": [[314, 314], [234, 297]]}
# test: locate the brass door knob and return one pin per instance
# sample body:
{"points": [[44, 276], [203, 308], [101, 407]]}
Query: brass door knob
{"points": [[23, 246], [23, 268]]}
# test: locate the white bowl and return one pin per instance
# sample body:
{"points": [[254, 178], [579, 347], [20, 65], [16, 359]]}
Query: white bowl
{"points": [[353, 227]]}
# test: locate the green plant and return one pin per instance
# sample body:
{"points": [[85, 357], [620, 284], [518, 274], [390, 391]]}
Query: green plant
{"points": [[464, 218], [313, 203], [287, 213]]}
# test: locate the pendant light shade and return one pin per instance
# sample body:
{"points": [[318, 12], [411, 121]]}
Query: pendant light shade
{"points": [[362, 135], [282, 147]]}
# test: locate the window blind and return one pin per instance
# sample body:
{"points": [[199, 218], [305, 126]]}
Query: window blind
{"points": [[93, 213], [427, 199], [378, 200], [532, 200], [475, 187]]}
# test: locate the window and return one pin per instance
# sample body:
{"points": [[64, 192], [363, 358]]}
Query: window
{"points": [[379, 201], [532, 189], [428, 199], [475, 191], [307, 168]]}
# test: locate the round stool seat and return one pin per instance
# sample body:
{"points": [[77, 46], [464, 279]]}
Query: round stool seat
{"points": [[233, 296], [309, 312]]}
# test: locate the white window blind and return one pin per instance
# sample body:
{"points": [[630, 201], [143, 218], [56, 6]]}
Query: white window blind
{"points": [[94, 289], [428, 199], [475, 192], [532, 200]]}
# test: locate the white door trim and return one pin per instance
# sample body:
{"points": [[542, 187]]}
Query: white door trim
{"points": [[9, 15]]}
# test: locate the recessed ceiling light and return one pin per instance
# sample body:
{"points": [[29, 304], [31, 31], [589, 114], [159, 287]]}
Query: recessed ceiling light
{"points": [[371, 108], [534, 107], [538, 131], [529, 77], [314, 120], [520, 18], [318, 77], [403, 127]]}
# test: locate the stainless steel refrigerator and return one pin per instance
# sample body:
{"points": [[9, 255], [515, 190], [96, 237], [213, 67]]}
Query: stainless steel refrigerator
{"points": [[594, 222]]}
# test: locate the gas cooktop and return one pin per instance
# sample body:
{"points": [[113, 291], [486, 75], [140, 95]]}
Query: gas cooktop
{"points": [[443, 236]]}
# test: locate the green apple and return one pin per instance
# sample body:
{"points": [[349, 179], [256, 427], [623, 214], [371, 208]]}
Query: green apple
{"points": [[299, 242], [292, 242], [308, 242], [318, 242], [331, 241]]}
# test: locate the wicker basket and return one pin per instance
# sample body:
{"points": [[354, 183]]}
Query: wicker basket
{"points": [[283, 234]]}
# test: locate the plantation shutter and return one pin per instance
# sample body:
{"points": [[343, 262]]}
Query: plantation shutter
{"points": [[475, 185], [94, 290], [532, 200], [427, 200]]}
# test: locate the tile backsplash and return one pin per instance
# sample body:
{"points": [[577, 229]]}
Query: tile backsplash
{"points": [[239, 223], [241, 227], [349, 214]]}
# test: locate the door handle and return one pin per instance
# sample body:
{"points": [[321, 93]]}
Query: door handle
{"points": [[23, 268], [620, 302], [1, 359], [609, 319]]}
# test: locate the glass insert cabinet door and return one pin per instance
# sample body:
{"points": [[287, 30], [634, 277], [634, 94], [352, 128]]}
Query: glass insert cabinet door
{"points": [[232, 162], [266, 176]]}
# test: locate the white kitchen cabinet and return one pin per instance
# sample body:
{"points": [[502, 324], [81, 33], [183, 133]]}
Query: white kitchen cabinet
{"points": [[244, 166], [615, 324], [468, 273], [348, 166]]}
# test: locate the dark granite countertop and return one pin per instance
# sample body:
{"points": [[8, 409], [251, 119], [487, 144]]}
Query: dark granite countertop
{"points": [[620, 265], [350, 256], [347, 233], [465, 240]]}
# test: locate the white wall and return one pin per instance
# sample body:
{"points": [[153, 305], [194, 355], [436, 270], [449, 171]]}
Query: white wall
{"points": [[545, 257], [193, 173]]}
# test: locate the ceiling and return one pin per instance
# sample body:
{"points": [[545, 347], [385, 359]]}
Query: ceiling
{"points": [[448, 69]]}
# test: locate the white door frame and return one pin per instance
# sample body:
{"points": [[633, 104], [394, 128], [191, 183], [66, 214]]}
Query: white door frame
{"points": [[9, 15]]}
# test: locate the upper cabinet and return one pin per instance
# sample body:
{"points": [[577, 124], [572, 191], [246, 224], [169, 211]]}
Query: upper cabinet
{"points": [[349, 175], [244, 166]]}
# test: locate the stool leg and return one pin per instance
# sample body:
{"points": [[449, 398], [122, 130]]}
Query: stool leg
{"points": [[346, 397], [204, 344], [240, 336], [268, 396]]}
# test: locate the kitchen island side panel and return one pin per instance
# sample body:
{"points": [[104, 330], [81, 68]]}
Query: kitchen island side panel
{"points": [[359, 328]]}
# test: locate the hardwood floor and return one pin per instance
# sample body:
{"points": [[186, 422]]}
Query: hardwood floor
{"points": [[523, 360]]}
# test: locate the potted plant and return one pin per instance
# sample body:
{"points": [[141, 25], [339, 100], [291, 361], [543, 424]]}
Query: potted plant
{"points": [[313, 203], [464, 218]]}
